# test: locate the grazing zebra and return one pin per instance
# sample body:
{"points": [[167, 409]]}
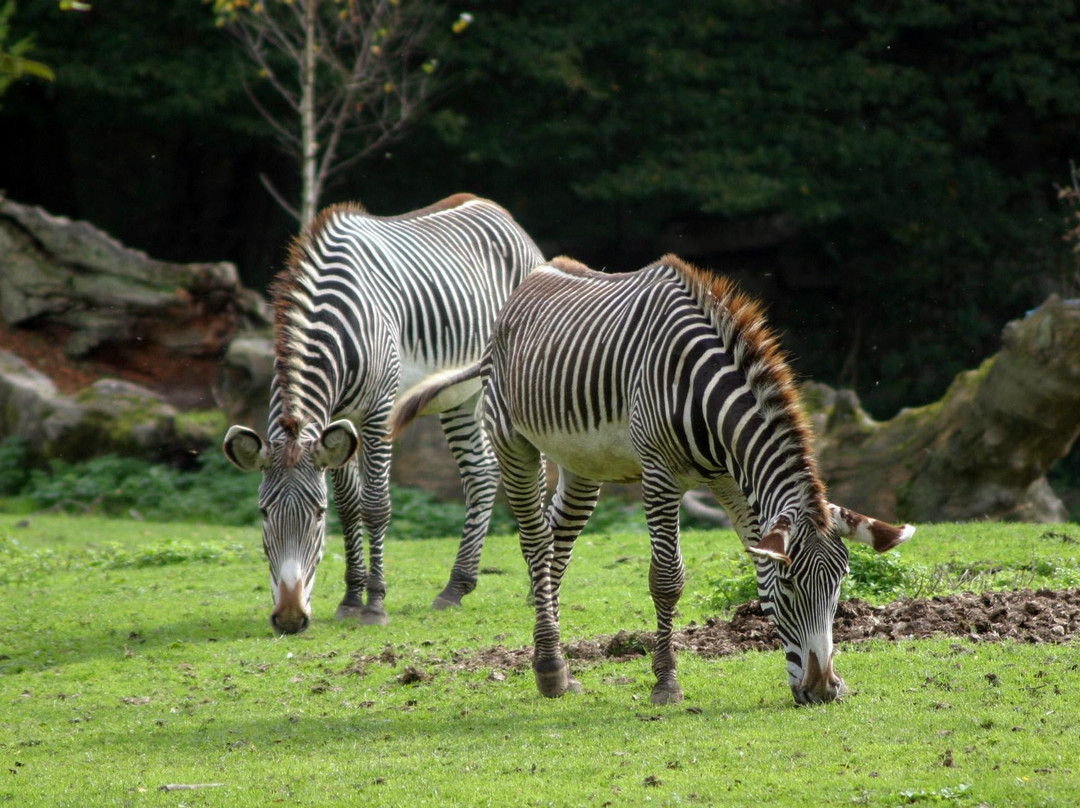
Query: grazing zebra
{"points": [[667, 376], [367, 306]]}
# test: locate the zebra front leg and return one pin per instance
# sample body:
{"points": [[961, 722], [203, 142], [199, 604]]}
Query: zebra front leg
{"points": [[666, 577], [479, 481], [375, 514], [346, 482]]}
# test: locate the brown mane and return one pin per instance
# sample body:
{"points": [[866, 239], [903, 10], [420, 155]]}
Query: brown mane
{"points": [[740, 320]]}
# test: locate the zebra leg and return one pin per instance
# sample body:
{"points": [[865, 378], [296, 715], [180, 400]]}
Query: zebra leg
{"points": [[520, 463], [666, 575], [375, 514], [346, 482], [479, 481], [570, 509], [571, 506]]}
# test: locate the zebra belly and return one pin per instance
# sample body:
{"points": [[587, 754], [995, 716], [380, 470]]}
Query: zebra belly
{"points": [[604, 454], [414, 371]]}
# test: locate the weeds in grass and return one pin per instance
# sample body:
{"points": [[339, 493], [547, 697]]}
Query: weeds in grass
{"points": [[945, 794], [881, 578]]}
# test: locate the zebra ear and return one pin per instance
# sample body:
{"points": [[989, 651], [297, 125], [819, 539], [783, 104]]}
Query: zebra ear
{"points": [[245, 449], [337, 445], [880, 535], [774, 543]]}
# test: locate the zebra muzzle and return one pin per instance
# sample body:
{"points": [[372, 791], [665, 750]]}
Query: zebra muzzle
{"points": [[819, 684], [290, 615]]}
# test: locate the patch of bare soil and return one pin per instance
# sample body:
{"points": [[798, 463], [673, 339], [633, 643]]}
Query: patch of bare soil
{"points": [[184, 380], [1043, 616]]}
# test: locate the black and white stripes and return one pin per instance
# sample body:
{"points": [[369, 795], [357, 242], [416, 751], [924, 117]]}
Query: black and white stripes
{"points": [[368, 306], [666, 375]]}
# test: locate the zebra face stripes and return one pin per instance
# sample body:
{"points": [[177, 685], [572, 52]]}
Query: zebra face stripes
{"points": [[292, 502], [800, 598], [367, 306], [670, 376]]}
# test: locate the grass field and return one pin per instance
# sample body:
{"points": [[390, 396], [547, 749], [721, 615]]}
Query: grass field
{"points": [[137, 656]]}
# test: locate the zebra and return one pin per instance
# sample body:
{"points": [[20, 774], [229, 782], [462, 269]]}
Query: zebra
{"points": [[365, 307], [668, 375]]}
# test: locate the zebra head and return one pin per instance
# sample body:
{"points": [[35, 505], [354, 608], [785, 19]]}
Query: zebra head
{"points": [[292, 500], [799, 571]]}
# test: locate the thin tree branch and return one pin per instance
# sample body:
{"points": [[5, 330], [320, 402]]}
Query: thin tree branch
{"points": [[269, 186], [368, 82]]}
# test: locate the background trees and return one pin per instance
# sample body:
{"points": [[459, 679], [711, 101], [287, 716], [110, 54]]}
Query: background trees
{"points": [[884, 180], [341, 74]]}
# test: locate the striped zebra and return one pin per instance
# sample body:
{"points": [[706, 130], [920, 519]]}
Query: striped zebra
{"points": [[668, 376], [367, 306]]}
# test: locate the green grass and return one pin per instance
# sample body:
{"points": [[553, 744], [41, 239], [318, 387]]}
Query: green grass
{"points": [[136, 655]]}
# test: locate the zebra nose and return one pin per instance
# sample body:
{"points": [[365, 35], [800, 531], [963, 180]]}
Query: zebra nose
{"points": [[820, 685], [290, 615], [289, 623]]}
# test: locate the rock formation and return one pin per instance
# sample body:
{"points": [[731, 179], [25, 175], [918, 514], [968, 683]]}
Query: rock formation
{"points": [[983, 450], [98, 299]]}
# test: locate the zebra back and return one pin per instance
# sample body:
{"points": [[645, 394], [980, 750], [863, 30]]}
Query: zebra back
{"points": [[361, 292], [692, 357]]}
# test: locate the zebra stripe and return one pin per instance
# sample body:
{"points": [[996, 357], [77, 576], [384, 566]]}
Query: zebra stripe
{"points": [[670, 376], [366, 307]]}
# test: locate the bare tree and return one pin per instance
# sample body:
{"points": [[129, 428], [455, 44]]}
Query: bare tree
{"points": [[341, 68]]}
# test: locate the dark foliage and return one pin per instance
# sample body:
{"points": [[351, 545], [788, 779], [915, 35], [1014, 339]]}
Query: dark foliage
{"points": [[882, 174]]}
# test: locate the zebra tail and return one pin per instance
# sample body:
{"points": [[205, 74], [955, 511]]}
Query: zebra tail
{"points": [[437, 393]]}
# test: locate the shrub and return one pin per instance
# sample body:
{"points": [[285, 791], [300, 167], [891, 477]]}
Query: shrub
{"points": [[14, 470], [217, 493]]}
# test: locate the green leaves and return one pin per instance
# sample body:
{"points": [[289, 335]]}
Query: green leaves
{"points": [[13, 64]]}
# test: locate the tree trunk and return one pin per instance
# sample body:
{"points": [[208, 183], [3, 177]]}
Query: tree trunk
{"points": [[309, 143], [982, 451]]}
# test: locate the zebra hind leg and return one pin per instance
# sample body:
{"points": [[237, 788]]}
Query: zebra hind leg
{"points": [[520, 463], [571, 506], [479, 481], [666, 577]]}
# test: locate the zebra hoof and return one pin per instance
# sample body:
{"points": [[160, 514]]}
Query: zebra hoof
{"points": [[446, 600], [667, 693], [374, 616], [553, 678], [574, 686], [349, 611]]}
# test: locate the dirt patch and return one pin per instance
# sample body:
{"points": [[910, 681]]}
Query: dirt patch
{"points": [[184, 380], [40, 350], [1042, 616]]}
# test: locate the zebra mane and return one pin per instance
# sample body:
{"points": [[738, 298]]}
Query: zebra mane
{"points": [[740, 322], [571, 266], [292, 294]]}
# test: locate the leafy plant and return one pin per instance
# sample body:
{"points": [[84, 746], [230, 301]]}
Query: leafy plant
{"points": [[121, 486], [13, 62], [876, 576], [14, 466]]}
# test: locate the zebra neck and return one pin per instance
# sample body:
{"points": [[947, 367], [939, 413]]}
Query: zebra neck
{"points": [[297, 416], [778, 477]]}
